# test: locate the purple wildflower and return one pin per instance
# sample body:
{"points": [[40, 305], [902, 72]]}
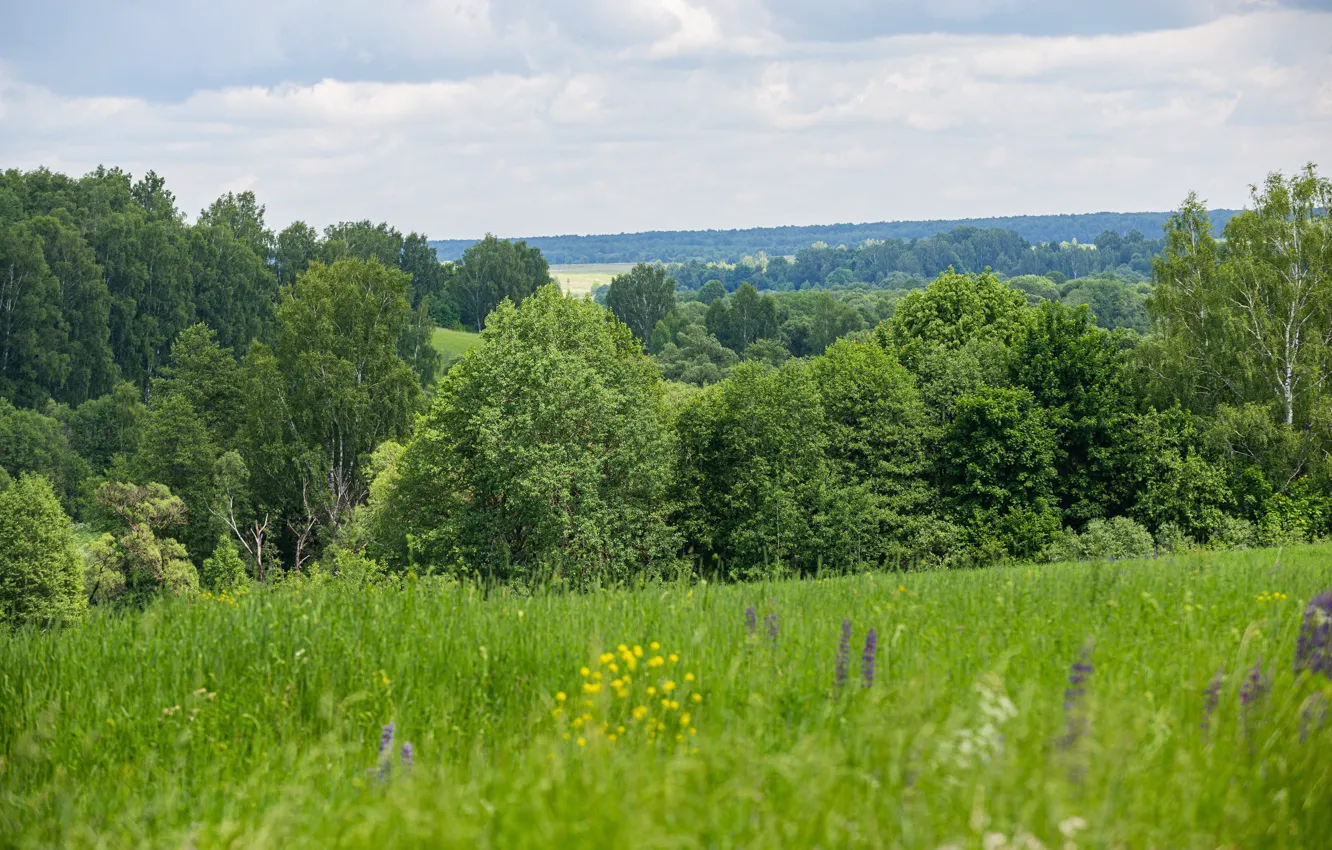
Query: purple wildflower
{"points": [[1316, 708], [1073, 694], [751, 620], [385, 741], [843, 656], [1313, 652], [1255, 686], [408, 753], [1212, 697], [771, 622], [867, 657]]}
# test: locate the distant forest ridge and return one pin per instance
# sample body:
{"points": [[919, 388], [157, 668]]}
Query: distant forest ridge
{"points": [[731, 245]]}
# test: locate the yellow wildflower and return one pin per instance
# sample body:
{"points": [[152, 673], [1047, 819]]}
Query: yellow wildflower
{"points": [[638, 651], [654, 646], [582, 742], [697, 697], [689, 677], [584, 672], [560, 697], [684, 719], [607, 657], [640, 712], [591, 687], [668, 687], [651, 691], [675, 659], [656, 661]]}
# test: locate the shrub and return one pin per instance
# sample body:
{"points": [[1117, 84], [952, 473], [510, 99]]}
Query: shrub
{"points": [[1100, 539], [40, 580], [224, 569]]}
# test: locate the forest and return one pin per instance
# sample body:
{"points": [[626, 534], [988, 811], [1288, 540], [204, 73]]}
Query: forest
{"points": [[730, 246], [214, 403]]}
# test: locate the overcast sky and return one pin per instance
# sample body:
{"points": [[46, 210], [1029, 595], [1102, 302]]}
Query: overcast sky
{"points": [[534, 117]]}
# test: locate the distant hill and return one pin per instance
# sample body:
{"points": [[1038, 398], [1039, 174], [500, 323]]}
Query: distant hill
{"points": [[731, 245]]}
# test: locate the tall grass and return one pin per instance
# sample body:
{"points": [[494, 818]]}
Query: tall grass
{"points": [[257, 722]]}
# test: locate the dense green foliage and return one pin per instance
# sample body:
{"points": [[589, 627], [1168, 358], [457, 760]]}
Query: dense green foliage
{"points": [[847, 423], [41, 575], [545, 449], [732, 245], [255, 721]]}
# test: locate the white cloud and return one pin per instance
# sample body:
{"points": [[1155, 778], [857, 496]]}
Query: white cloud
{"points": [[692, 114]]}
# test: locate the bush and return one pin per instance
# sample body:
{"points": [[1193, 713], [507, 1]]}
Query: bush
{"points": [[1101, 539], [40, 573], [224, 569]]}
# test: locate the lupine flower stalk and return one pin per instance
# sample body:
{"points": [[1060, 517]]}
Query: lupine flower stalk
{"points": [[385, 741], [751, 620], [867, 658], [1313, 652], [1212, 697], [843, 657], [1073, 694], [408, 754], [1255, 686], [771, 622]]}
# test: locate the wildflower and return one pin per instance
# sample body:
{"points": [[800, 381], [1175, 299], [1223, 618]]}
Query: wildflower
{"points": [[385, 741], [408, 754], [684, 719], [1073, 694], [654, 646], [1313, 652], [697, 697], [1213, 696], [606, 658], [656, 661], [843, 656], [651, 691], [582, 742], [689, 677], [638, 651], [591, 687], [673, 658], [561, 697], [640, 712], [1255, 686], [751, 620], [770, 622], [867, 657], [584, 672], [668, 687]]}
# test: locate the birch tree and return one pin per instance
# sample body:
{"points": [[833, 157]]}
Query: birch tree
{"points": [[1250, 319]]}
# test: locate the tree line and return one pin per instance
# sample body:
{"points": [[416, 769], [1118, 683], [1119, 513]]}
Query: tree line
{"points": [[730, 246], [99, 276], [971, 422]]}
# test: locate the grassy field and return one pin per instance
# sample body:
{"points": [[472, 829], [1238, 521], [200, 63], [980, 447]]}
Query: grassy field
{"points": [[580, 279], [257, 722], [453, 344]]}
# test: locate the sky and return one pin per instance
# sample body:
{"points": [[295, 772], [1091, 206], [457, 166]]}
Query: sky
{"points": [[535, 117]]}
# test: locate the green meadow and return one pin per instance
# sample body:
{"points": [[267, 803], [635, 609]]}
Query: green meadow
{"points": [[453, 344], [581, 279], [686, 714]]}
